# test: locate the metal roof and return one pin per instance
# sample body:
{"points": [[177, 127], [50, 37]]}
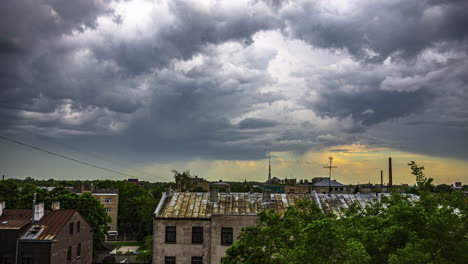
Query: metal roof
{"points": [[49, 225], [15, 218], [198, 205]]}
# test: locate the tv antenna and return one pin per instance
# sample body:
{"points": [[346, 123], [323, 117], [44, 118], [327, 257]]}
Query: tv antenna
{"points": [[330, 167]]}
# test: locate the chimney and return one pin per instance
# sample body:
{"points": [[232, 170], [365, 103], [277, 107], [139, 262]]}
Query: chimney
{"points": [[266, 196], [38, 212], [381, 179], [214, 195], [390, 172], [55, 205], [2, 206]]}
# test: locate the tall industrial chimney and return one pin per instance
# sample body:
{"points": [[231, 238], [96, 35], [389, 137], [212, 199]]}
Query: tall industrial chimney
{"points": [[381, 178], [390, 181]]}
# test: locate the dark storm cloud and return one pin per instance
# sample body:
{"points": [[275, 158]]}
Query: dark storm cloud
{"points": [[403, 27], [255, 123], [63, 72], [186, 36]]}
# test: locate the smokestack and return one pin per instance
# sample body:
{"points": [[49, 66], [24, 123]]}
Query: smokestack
{"points": [[2, 206], [381, 178], [168, 190], [390, 181], [56, 205], [214, 195]]}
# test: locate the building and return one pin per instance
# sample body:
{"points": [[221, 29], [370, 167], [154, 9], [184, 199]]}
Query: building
{"points": [[324, 185], [109, 198], [194, 227], [44, 236]]}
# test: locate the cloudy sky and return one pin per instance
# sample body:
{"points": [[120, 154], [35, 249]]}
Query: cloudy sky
{"points": [[144, 87]]}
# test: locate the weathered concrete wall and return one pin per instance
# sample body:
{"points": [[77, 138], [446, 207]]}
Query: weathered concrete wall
{"points": [[183, 249], [211, 250], [220, 221]]}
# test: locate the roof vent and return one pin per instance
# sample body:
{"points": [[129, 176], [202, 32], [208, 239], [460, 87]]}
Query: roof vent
{"points": [[267, 196], [56, 205], [214, 195]]}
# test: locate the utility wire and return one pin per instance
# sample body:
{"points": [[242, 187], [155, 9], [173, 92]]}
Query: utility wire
{"points": [[68, 158], [86, 152]]}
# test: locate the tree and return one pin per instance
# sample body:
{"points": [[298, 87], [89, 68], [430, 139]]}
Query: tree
{"points": [[394, 230], [90, 208], [424, 183]]}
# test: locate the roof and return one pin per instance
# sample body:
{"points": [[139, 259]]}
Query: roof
{"points": [[339, 203], [326, 182], [15, 218], [49, 225], [197, 205]]}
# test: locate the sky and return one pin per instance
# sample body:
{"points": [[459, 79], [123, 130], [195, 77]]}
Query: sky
{"points": [[144, 87]]}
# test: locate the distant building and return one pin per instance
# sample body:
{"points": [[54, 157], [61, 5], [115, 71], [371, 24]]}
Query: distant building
{"points": [[109, 198], [324, 185], [198, 227], [45, 236], [192, 184], [137, 182]]}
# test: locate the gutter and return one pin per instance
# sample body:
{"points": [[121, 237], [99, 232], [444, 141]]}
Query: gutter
{"points": [[160, 205]]}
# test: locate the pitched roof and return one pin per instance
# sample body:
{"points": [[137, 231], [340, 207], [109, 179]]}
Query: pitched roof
{"points": [[197, 205], [15, 218], [326, 182], [49, 225]]}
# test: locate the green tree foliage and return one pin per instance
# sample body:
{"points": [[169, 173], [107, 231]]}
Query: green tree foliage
{"points": [[423, 182], [146, 252], [136, 208], [394, 230]]}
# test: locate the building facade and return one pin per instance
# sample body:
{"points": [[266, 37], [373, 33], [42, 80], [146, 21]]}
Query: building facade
{"points": [[198, 227], [45, 236]]}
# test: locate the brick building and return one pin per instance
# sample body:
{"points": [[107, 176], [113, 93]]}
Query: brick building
{"points": [[44, 236], [198, 227]]}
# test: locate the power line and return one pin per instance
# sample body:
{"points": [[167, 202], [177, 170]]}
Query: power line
{"points": [[85, 152], [68, 158]]}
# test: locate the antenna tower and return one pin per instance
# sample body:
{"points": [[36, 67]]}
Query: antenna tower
{"points": [[330, 167]]}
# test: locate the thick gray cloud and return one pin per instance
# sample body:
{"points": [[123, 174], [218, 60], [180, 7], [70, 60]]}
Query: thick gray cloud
{"points": [[181, 80], [373, 30]]}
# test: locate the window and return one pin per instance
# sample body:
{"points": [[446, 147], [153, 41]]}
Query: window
{"points": [[108, 209], [71, 228], [24, 260], [226, 236], [170, 260], [78, 251], [78, 227], [170, 234], [197, 235], [107, 200], [69, 249], [197, 260]]}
